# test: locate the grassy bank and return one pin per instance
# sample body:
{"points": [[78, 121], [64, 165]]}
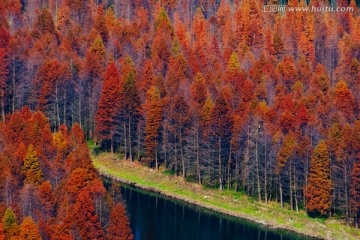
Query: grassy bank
{"points": [[228, 202]]}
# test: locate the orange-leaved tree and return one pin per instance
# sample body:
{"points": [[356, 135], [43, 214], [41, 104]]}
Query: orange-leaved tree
{"points": [[104, 118], [29, 229], [119, 227], [319, 188], [154, 109]]}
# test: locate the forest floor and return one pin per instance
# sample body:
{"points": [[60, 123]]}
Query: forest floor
{"points": [[228, 202]]}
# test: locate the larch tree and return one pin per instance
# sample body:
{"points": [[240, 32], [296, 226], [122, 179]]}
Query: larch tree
{"points": [[319, 188], [31, 167], [119, 227], [154, 116], [178, 123], [199, 94], [131, 110], [344, 100], [221, 125], [83, 218], [110, 95], [29, 229], [10, 225]]}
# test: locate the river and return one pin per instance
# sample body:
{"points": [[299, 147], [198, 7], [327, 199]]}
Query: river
{"points": [[154, 217]]}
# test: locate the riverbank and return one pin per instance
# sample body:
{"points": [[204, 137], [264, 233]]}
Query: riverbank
{"points": [[226, 202]]}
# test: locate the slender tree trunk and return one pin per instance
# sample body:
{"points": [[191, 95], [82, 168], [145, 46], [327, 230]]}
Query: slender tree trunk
{"points": [[281, 192], [220, 166], [139, 141], [181, 150], [175, 159], [237, 173], [156, 160], [164, 147], [130, 142], [296, 191], [229, 170], [291, 186], [265, 176], [3, 106], [198, 154], [125, 140], [13, 81], [65, 104], [80, 106], [346, 193], [257, 164]]}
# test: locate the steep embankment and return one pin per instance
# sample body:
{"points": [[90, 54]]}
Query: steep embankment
{"points": [[227, 202]]}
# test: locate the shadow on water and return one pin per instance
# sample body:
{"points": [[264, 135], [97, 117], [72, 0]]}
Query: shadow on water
{"points": [[154, 217]]}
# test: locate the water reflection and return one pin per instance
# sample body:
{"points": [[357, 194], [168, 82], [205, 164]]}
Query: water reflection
{"points": [[153, 217]]}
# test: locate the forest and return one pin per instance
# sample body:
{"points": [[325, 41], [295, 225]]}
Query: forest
{"points": [[216, 91]]}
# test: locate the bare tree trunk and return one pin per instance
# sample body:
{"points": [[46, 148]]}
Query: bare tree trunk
{"points": [[57, 107], [198, 154], [3, 106], [139, 142], [265, 176], [257, 164], [296, 191], [175, 159], [65, 104], [346, 193], [181, 151], [164, 146], [156, 160], [281, 192], [291, 186], [220, 166], [125, 141], [229, 170], [236, 173], [13, 81], [130, 143]]}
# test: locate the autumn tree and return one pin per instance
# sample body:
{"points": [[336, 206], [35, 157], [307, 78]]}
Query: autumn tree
{"points": [[110, 95], [319, 188], [344, 100], [29, 229], [10, 225], [130, 109], [31, 167], [221, 124], [154, 115], [83, 219], [119, 228], [199, 94]]}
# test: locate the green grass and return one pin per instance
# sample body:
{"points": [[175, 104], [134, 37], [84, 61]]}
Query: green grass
{"points": [[234, 203]]}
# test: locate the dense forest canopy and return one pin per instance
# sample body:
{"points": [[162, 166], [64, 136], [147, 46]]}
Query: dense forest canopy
{"points": [[219, 92], [50, 186]]}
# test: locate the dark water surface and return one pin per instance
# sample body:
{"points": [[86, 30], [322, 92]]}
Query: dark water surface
{"points": [[153, 217]]}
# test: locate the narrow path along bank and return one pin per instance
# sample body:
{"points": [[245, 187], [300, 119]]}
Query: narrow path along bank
{"points": [[227, 202]]}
